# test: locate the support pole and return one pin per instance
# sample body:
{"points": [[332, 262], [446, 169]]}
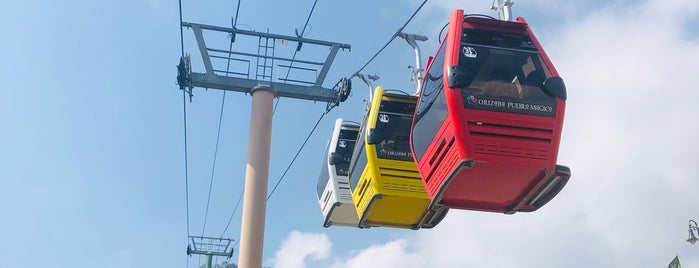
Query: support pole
{"points": [[367, 80], [417, 71], [257, 171], [256, 177], [208, 260], [504, 9], [507, 10]]}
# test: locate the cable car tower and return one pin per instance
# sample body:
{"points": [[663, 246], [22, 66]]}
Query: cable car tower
{"points": [[210, 246], [264, 84]]}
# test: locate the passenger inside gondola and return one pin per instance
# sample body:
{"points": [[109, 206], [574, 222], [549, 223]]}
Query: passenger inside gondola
{"points": [[502, 83], [512, 71], [492, 144]]}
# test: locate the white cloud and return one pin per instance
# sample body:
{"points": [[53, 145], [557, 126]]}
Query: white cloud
{"points": [[392, 254], [630, 140], [298, 246]]}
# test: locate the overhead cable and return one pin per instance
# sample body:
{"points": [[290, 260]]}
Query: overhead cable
{"points": [[389, 40], [295, 156], [303, 31], [232, 214], [213, 168], [184, 113]]}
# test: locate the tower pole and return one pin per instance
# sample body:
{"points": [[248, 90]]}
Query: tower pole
{"points": [[256, 177], [263, 92], [208, 260]]}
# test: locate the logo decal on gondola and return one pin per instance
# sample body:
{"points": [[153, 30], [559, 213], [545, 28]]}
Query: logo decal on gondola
{"points": [[508, 106], [470, 52], [342, 144], [383, 118]]}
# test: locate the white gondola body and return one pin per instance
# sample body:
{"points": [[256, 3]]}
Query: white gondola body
{"points": [[334, 193]]}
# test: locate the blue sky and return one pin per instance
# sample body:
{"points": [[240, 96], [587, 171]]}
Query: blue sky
{"points": [[91, 152]]}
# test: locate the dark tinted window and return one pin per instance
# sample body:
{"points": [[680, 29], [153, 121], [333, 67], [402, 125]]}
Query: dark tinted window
{"points": [[432, 108], [344, 148], [394, 120], [359, 160], [497, 39], [324, 175], [506, 73]]}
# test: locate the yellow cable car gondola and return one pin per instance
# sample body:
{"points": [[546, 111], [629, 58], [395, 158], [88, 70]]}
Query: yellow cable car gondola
{"points": [[386, 187]]}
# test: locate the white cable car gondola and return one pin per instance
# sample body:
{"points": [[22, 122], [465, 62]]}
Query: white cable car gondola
{"points": [[334, 193]]}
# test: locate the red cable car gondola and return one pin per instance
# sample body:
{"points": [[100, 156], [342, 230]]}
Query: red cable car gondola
{"points": [[487, 127]]}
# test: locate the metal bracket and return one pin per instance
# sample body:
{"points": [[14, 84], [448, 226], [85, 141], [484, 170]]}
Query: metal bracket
{"points": [[416, 75], [368, 81], [184, 75], [312, 72], [210, 246], [503, 8], [344, 89]]}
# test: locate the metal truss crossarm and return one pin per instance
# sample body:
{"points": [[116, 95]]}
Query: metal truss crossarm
{"points": [[281, 90]]}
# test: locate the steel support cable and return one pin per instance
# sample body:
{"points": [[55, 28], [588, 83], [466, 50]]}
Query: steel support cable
{"points": [[213, 168], [181, 30], [184, 113], [218, 135], [232, 214], [236, 243], [295, 156], [186, 160], [228, 65], [223, 100], [389, 40], [237, 9], [309, 17], [303, 31]]}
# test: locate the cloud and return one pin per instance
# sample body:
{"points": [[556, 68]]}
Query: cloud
{"points": [[392, 254], [630, 140], [298, 246]]}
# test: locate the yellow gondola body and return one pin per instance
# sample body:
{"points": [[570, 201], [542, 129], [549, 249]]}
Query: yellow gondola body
{"points": [[386, 187]]}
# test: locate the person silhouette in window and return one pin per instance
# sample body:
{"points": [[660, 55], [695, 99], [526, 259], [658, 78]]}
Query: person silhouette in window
{"points": [[502, 83]]}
